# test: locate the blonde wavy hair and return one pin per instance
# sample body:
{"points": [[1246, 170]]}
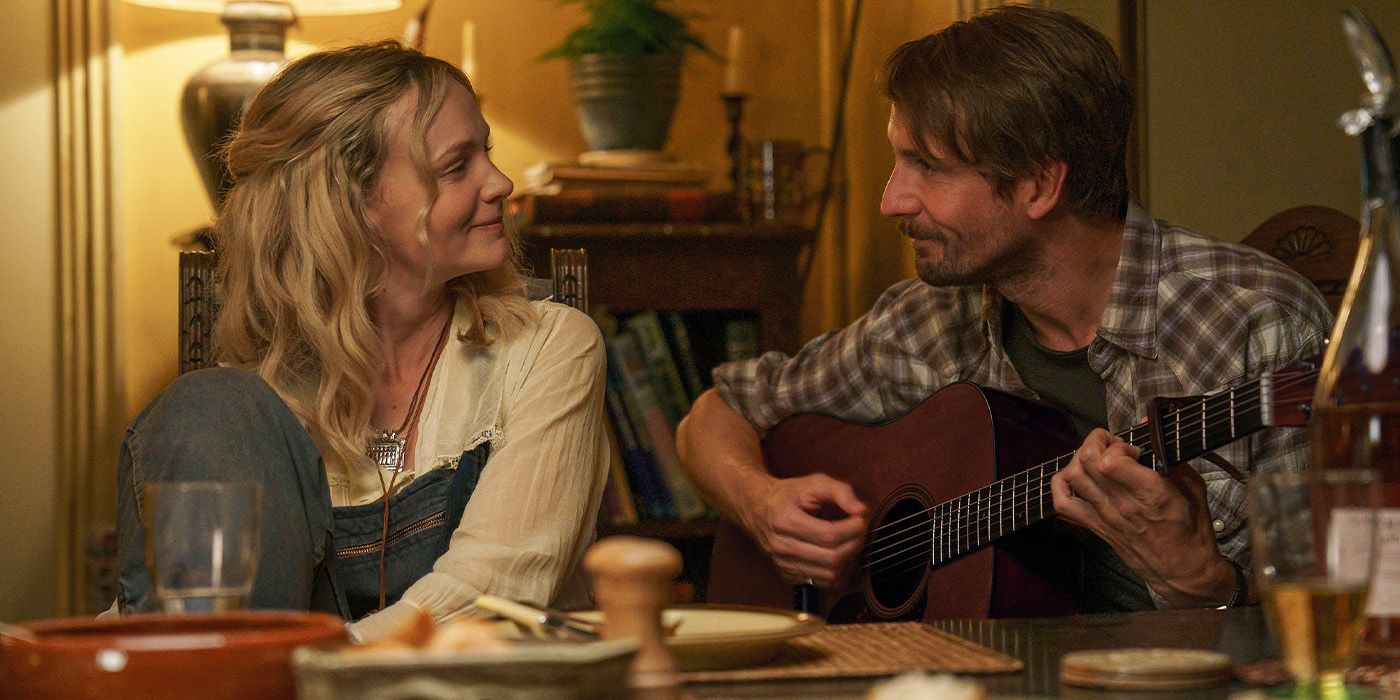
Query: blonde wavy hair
{"points": [[298, 258]]}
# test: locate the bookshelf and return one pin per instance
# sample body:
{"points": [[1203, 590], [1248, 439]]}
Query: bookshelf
{"points": [[709, 270], [683, 267]]}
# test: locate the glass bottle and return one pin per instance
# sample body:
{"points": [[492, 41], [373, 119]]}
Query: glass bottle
{"points": [[1356, 410]]}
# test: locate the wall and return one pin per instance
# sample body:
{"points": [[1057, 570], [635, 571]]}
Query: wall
{"points": [[525, 101], [1242, 103], [28, 336]]}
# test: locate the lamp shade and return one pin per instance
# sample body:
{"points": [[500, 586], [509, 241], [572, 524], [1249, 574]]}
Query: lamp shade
{"points": [[303, 8]]}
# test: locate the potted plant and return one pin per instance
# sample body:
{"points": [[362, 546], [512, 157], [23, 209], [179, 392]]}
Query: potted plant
{"points": [[625, 71]]}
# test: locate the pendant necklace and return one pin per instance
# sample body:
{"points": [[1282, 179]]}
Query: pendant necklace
{"points": [[386, 448]]}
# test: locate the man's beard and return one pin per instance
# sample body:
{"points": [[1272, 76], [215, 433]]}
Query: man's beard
{"points": [[1021, 257], [938, 273]]}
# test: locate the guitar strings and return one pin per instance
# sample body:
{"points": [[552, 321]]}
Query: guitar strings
{"points": [[1201, 418], [1187, 427], [1017, 491], [965, 538]]}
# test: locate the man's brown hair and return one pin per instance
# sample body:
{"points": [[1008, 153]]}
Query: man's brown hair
{"points": [[1013, 88]]}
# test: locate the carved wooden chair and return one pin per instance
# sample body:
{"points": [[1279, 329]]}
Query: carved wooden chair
{"points": [[199, 297], [1317, 242]]}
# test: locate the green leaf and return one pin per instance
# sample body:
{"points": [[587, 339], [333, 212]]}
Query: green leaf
{"points": [[628, 28]]}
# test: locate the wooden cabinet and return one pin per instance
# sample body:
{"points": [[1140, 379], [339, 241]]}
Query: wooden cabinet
{"points": [[749, 269], [721, 267]]}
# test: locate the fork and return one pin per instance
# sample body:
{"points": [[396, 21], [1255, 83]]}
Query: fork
{"points": [[538, 618]]}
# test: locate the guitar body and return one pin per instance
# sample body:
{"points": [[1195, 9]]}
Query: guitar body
{"points": [[960, 439]]}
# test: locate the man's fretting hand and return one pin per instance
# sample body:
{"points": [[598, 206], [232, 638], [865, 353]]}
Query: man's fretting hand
{"points": [[1158, 525]]}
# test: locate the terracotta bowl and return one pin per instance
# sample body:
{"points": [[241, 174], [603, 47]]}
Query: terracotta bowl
{"points": [[241, 655]]}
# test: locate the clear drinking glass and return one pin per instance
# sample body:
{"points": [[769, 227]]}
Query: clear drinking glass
{"points": [[1314, 537], [201, 543]]}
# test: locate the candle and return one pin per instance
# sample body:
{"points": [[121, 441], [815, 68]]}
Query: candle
{"points": [[735, 77], [469, 51]]}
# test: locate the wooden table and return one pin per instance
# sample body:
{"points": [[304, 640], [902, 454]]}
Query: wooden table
{"points": [[1239, 633]]}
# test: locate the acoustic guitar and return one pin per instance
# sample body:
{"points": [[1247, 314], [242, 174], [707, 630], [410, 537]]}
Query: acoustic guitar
{"points": [[959, 494]]}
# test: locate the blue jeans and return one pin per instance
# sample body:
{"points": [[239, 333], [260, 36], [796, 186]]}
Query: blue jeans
{"points": [[223, 424]]}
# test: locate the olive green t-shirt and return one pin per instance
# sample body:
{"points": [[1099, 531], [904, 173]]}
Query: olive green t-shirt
{"points": [[1065, 381]]}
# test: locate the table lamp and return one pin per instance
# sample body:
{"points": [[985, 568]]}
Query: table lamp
{"points": [[214, 97]]}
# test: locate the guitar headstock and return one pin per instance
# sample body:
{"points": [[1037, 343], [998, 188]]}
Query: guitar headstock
{"points": [[1291, 390], [1186, 427]]}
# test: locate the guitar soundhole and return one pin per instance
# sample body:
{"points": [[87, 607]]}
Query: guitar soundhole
{"points": [[899, 553]]}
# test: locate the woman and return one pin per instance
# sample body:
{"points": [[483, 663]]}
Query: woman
{"points": [[377, 349]]}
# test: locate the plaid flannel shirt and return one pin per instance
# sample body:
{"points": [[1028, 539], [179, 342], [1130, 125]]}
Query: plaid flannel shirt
{"points": [[1187, 315]]}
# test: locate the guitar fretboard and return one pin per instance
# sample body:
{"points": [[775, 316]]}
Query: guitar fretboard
{"points": [[1190, 428], [975, 520]]}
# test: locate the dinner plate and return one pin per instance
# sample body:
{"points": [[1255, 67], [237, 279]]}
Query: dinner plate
{"points": [[711, 637]]}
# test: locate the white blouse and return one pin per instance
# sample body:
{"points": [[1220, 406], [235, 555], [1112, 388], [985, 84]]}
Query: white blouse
{"points": [[537, 397]]}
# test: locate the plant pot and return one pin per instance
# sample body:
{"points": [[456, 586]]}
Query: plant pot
{"points": [[625, 102]]}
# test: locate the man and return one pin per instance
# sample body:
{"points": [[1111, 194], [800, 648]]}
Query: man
{"points": [[1038, 276]]}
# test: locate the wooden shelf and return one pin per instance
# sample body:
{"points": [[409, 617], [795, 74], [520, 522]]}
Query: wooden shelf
{"points": [[668, 530], [721, 267], [753, 269], [692, 538], [546, 233]]}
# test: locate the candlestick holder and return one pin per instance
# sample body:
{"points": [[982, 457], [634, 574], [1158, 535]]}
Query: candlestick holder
{"points": [[734, 109]]}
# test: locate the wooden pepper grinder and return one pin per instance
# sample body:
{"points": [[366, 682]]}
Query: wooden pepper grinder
{"points": [[632, 583]]}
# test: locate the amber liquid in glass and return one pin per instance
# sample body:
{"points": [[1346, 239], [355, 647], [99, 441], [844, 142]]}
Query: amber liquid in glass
{"points": [[1367, 436], [1319, 627]]}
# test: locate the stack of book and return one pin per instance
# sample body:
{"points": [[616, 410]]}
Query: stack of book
{"points": [[653, 375], [657, 192]]}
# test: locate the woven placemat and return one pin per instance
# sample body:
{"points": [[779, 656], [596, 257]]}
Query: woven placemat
{"points": [[879, 649]]}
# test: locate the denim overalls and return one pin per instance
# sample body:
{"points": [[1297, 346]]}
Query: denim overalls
{"points": [[422, 518], [224, 424]]}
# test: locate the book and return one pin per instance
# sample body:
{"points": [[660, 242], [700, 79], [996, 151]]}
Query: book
{"points": [[633, 370], [678, 336], [617, 493], [649, 493], [542, 175], [677, 205], [666, 379], [610, 509], [741, 339]]}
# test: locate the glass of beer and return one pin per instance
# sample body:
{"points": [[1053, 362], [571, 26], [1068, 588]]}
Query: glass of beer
{"points": [[1314, 536], [201, 543]]}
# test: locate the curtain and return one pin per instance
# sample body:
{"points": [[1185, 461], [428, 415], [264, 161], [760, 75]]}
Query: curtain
{"points": [[859, 252], [90, 406], [968, 8]]}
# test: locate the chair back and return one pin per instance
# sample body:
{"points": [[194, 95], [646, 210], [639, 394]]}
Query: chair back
{"points": [[200, 298], [1319, 243]]}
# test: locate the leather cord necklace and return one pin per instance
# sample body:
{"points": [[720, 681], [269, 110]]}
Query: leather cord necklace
{"points": [[388, 450]]}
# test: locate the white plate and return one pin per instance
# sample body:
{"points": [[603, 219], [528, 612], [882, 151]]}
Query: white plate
{"points": [[713, 637]]}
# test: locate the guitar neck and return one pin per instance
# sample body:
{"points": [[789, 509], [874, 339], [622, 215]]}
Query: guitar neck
{"points": [[1190, 428]]}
